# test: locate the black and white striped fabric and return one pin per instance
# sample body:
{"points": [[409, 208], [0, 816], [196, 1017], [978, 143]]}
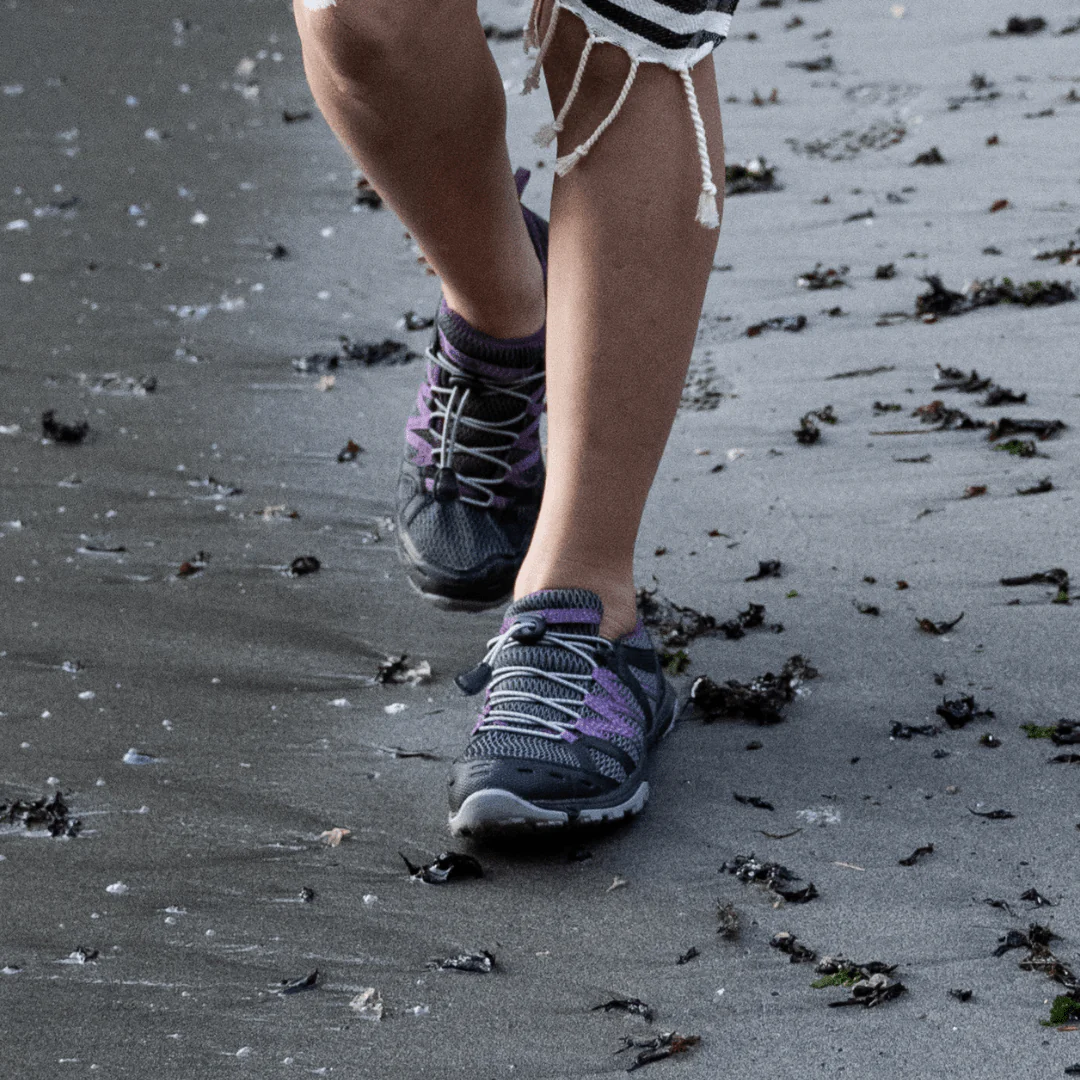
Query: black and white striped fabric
{"points": [[675, 33]]}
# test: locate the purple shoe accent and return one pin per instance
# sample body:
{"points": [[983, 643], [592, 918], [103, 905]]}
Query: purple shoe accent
{"points": [[558, 617]]}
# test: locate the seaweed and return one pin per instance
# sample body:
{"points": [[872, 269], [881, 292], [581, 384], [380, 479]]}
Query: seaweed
{"points": [[1036, 898], [880, 369], [691, 954], [822, 63], [395, 671], [297, 986], [797, 952], [908, 731], [946, 419], [961, 711], [1019, 26], [750, 177], [1024, 448], [916, 855], [633, 1006], [728, 919], [941, 301], [449, 866], [928, 626], [482, 963], [871, 992], [933, 156], [961, 995], [823, 279], [885, 272], [59, 432], [657, 1047], [303, 565], [349, 452], [1040, 488], [1058, 577], [750, 619], [753, 800], [760, 701], [386, 352], [675, 624], [993, 815], [50, 814], [791, 323], [772, 876], [769, 568], [1041, 429]]}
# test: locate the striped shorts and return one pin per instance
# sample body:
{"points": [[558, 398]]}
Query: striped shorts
{"points": [[676, 33]]}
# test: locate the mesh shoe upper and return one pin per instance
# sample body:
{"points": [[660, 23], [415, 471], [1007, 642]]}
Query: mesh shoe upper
{"points": [[567, 713], [473, 471]]}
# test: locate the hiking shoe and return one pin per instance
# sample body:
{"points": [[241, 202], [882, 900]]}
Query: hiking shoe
{"points": [[473, 472], [568, 721]]}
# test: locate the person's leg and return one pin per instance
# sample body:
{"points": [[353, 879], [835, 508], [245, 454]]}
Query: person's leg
{"points": [[412, 91], [627, 275]]}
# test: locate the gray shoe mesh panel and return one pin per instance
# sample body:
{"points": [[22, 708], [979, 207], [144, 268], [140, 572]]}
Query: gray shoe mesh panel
{"points": [[650, 683], [607, 766], [503, 744], [458, 536]]}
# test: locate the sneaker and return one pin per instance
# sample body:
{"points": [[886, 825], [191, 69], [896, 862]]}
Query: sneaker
{"points": [[568, 721], [473, 472]]}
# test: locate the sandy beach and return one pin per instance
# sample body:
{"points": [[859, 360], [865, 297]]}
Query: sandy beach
{"points": [[178, 228]]}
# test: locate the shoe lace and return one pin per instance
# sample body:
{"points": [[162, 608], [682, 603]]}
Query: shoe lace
{"points": [[448, 404], [569, 689]]}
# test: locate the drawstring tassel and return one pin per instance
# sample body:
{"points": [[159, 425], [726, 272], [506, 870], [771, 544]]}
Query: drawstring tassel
{"points": [[532, 80], [546, 135], [708, 212], [564, 164]]}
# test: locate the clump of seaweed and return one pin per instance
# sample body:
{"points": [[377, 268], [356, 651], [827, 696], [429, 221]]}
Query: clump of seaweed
{"points": [[760, 701], [750, 177]]}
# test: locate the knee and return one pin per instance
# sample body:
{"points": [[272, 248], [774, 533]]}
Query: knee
{"points": [[358, 40]]}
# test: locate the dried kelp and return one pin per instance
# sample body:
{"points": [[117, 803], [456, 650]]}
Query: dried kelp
{"points": [[750, 177], [50, 814], [59, 432], [760, 701], [942, 301], [959, 712], [482, 963], [772, 876], [789, 944], [449, 866], [633, 1006], [657, 1047], [675, 624]]}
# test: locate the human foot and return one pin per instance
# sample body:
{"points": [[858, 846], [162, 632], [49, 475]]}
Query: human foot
{"points": [[568, 723]]}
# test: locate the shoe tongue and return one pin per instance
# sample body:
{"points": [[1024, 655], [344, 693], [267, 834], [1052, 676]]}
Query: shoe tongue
{"points": [[571, 611]]}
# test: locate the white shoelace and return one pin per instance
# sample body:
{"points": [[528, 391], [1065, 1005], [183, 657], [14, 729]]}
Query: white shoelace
{"points": [[500, 702], [448, 404]]}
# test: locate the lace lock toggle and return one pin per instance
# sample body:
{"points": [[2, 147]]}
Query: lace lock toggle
{"points": [[528, 629], [473, 681]]}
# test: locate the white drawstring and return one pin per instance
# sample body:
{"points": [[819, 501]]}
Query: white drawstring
{"points": [[564, 164], [708, 213], [532, 80], [546, 135]]}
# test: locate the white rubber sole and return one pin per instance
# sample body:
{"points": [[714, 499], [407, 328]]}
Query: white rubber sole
{"points": [[493, 811]]}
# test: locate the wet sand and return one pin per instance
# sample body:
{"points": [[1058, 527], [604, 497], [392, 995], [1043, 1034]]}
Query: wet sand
{"points": [[250, 689]]}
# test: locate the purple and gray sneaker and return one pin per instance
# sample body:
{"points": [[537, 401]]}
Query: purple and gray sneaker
{"points": [[568, 723], [473, 472]]}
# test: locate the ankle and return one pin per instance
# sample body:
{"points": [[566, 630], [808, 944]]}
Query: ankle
{"points": [[616, 593], [515, 315]]}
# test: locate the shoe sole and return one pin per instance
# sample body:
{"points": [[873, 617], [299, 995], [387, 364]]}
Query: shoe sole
{"points": [[495, 811], [451, 603]]}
